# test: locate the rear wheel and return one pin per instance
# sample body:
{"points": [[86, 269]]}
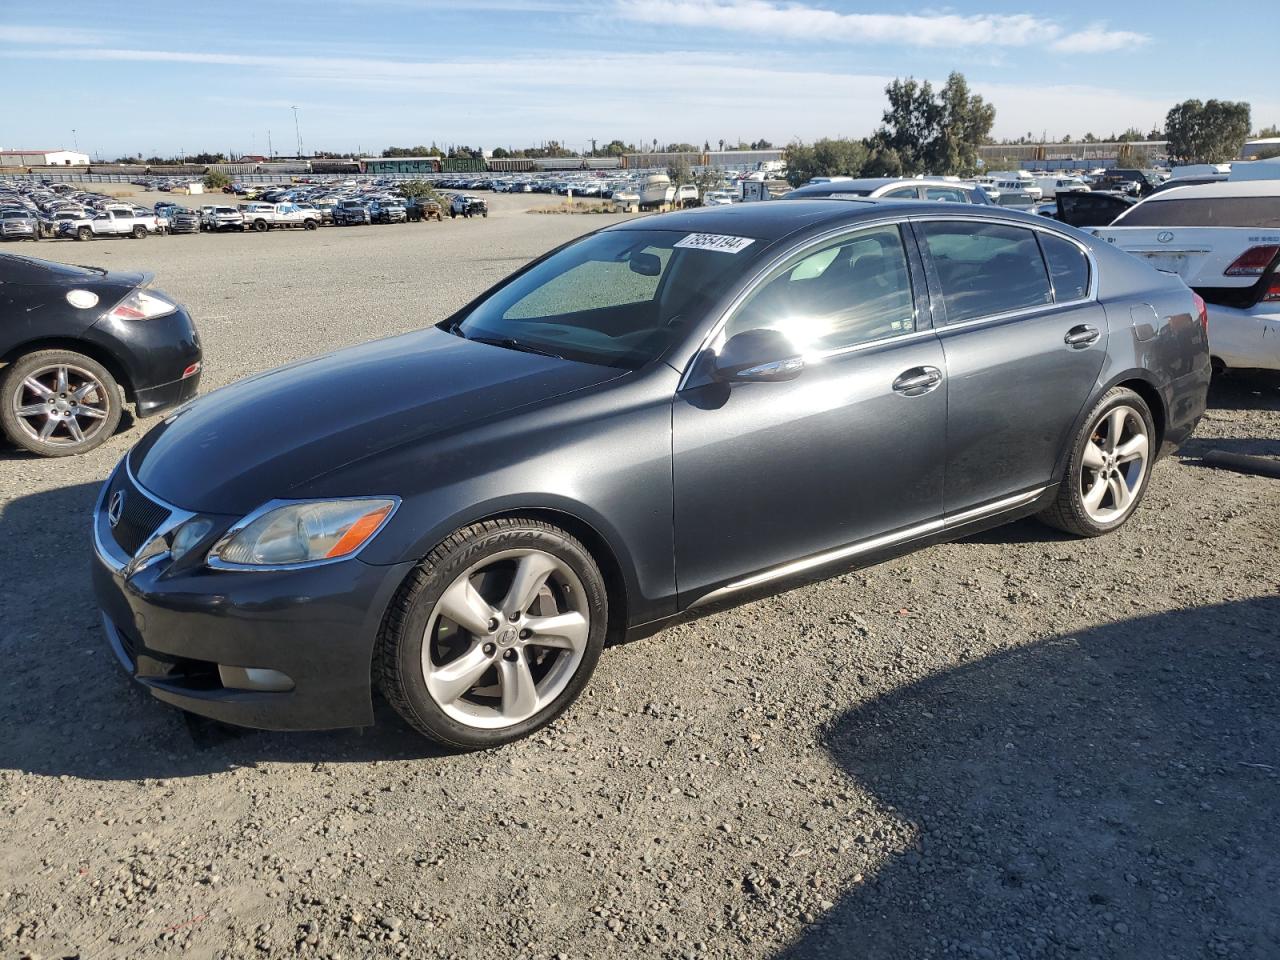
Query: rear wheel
{"points": [[58, 403], [1110, 464], [139, 232], [260, 226], [495, 634]]}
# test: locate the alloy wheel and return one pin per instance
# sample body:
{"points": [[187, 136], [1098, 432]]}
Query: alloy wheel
{"points": [[61, 404], [1114, 464], [505, 639]]}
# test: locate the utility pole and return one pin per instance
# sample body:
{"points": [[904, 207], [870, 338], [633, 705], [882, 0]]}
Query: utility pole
{"points": [[271, 154], [298, 131], [75, 143]]}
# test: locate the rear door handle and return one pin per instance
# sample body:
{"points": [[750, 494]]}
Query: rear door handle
{"points": [[917, 381], [1082, 335]]}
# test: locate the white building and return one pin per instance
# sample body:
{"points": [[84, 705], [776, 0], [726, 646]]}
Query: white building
{"points": [[43, 158]]}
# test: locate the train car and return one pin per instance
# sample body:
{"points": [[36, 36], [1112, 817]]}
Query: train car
{"points": [[118, 169], [235, 169], [558, 163], [336, 166], [284, 167], [177, 169], [461, 165], [509, 165], [603, 163], [401, 165]]}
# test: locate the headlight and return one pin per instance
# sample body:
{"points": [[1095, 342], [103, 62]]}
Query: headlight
{"points": [[309, 531], [189, 535]]}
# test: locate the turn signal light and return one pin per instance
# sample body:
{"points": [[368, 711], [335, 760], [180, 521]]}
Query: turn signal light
{"points": [[1203, 311], [1253, 261]]}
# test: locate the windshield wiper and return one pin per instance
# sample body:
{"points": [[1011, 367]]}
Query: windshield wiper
{"points": [[511, 343]]}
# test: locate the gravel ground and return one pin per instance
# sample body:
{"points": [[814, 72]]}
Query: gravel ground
{"points": [[1015, 746]]}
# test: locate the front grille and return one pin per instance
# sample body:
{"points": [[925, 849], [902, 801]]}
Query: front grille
{"points": [[140, 516]]}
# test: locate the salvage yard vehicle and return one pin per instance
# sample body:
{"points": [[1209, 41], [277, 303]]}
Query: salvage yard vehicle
{"points": [[421, 208], [19, 225], [1223, 240], [892, 188], [182, 220], [111, 222], [77, 343], [662, 417], [387, 211], [270, 216], [464, 205], [218, 218], [350, 212]]}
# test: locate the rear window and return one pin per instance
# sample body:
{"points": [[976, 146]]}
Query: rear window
{"points": [[1204, 212], [986, 269]]}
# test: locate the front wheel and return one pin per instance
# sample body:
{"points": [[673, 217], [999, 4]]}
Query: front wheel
{"points": [[57, 403], [84, 233], [1108, 469], [495, 634], [309, 224]]}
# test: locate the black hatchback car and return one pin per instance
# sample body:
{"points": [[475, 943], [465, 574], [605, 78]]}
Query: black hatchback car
{"points": [[667, 415], [77, 343]]}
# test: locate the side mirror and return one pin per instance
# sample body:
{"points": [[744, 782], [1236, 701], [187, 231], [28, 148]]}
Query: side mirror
{"points": [[757, 356]]}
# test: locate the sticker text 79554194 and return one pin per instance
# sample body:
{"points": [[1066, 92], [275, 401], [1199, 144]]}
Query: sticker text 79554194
{"points": [[715, 241]]}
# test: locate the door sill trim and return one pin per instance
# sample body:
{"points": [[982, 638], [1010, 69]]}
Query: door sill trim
{"points": [[867, 546]]}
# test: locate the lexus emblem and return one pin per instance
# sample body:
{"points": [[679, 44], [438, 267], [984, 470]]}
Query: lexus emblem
{"points": [[115, 507], [1164, 236]]}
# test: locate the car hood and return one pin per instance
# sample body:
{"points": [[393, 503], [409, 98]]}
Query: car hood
{"points": [[257, 440]]}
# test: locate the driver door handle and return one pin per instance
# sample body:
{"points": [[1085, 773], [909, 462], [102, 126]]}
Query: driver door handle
{"points": [[917, 381], [1082, 336]]}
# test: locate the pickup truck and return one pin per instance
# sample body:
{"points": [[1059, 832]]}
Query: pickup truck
{"points": [[111, 222], [268, 216], [216, 218]]}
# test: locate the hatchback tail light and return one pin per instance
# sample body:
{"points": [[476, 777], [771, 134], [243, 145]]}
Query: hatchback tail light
{"points": [[1253, 262], [1203, 310]]}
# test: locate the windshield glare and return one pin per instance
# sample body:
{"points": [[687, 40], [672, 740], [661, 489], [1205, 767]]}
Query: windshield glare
{"points": [[619, 298]]}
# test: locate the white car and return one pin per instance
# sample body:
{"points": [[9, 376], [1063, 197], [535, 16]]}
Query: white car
{"points": [[1223, 239]]}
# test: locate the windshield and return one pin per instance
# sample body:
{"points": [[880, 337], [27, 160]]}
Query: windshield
{"points": [[619, 298]]}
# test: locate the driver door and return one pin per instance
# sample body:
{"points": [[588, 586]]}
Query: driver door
{"points": [[767, 473]]}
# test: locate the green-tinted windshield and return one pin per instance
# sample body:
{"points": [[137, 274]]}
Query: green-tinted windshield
{"points": [[619, 298]]}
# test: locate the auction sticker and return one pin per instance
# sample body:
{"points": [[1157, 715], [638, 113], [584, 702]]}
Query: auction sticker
{"points": [[715, 241]]}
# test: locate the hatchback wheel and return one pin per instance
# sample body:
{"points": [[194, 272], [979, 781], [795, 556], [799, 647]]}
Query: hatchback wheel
{"points": [[495, 634], [58, 403], [1109, 467]]}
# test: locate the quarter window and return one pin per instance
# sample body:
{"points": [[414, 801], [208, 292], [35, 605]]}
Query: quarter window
{"points": [[1068, 267], [949, 194], [986, 268], [853, 290]]}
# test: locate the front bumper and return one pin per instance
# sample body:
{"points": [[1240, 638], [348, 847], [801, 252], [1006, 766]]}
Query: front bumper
{"points": [[174, 629]]}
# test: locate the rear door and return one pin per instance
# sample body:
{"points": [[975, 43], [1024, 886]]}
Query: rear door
{"points": [[1024, 340]]}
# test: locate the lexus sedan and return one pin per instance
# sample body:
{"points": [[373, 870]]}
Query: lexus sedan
{"points": [[660, 418], [77, 343]]}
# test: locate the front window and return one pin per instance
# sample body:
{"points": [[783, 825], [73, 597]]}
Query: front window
{"points": [[853, 290], [619, 298]]}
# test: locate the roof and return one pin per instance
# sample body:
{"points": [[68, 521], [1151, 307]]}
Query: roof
{"points": [[775, 219], [1225, 188]]}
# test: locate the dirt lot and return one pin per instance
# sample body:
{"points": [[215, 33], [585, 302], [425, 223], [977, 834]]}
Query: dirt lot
{"points": [[1016, 746]]}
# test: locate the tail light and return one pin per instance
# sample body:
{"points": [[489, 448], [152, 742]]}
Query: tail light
{"points": [[1272, 293], [142, 305], [1253, 262], [1202, 310]]}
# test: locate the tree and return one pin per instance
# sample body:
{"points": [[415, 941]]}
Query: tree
{"points": [[213, 180], [207, 158], [680, 172], [824, 158], [500, 153], [1266, 133], [1208, 132], [932, 132]]}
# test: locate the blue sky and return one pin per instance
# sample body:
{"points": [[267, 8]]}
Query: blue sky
{"points": [[163, 77]]}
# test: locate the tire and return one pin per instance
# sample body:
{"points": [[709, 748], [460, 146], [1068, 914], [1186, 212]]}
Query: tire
{"points": [[41, 366], [260, 226], [84, 233], [139, 233], [308, 224], [1113, 453], [485, 555]]}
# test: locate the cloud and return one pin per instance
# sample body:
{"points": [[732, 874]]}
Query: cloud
{"points": [[1098, 39], [27, 35], [802, 22]]}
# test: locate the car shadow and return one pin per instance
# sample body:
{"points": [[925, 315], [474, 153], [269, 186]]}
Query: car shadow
{"points": [[1245, 390], [1104, 793], [67, 707]]}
